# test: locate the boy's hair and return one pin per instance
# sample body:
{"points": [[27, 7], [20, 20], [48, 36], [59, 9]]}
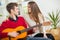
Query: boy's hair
{"points": [[11, 6]]}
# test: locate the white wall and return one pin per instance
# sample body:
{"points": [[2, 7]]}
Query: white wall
{"points": [[48, 6], [2, 11]]}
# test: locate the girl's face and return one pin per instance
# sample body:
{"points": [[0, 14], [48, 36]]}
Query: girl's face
{"points": [[29, 8]]}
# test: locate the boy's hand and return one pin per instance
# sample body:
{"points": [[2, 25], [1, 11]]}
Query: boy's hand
{"points": [[13, 34]]}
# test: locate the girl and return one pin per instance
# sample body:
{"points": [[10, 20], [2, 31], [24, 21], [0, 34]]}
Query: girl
{"points": [[37, 18]]}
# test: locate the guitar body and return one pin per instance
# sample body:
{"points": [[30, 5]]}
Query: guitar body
{"points": [[20, 36]]}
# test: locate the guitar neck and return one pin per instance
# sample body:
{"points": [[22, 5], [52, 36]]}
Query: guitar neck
{"points": [[30, 28]]}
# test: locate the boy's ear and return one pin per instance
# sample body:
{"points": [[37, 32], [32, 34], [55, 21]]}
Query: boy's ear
{"points": [[11, 10]]}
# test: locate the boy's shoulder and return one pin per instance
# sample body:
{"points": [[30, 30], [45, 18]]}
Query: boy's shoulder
{"points": [[21, 17], [6, 20]]}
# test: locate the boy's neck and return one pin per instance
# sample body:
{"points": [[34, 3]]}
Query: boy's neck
{"points": [[13, 16]]}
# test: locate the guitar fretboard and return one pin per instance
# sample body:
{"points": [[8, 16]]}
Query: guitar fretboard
{"points": [[39, 25]]}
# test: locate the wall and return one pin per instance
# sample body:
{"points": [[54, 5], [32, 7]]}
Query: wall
{"points": [[48, 6]]}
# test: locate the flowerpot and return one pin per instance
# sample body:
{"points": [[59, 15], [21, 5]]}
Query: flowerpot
{"points": [[55, 33]]}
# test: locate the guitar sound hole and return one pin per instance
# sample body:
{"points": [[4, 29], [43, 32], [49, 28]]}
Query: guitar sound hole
{"points": [[20, 39], [19, 32]]}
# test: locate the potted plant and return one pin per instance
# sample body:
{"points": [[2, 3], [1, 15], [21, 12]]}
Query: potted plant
{"points": [[55, 19]]}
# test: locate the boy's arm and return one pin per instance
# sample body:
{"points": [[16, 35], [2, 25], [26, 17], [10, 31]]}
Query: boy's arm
{"points": [[2, 27]]}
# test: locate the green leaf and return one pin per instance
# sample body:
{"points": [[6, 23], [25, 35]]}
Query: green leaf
{"points": [[54, 18], [0, 15]]}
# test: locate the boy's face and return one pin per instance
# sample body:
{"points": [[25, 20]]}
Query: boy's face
{"points": [[15, 10]]}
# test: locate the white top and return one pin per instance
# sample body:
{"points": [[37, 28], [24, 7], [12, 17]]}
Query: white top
{"points": [[32, 23]]}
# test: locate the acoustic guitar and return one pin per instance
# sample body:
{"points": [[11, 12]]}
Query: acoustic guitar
{"points": [[21, 29]]}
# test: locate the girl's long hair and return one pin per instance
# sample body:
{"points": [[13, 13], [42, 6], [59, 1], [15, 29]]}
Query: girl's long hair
{"points": [[34, 10]]}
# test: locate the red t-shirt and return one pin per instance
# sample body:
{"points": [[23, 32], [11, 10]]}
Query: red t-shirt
{"points": [[11, 24]]}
